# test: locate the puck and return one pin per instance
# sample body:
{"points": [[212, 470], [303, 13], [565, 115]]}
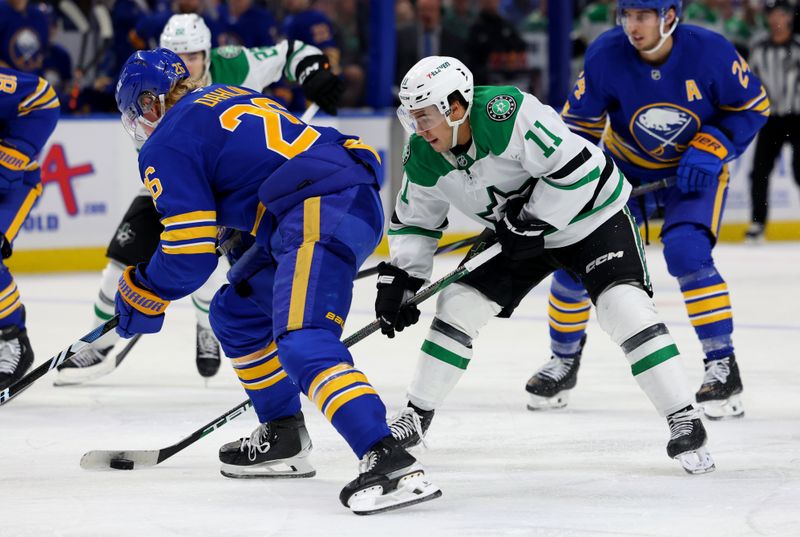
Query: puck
{"points": [[121, 464]]}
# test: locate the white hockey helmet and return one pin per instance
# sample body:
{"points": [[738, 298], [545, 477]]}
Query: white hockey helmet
{"points": [[187, 33], [424, 94]]}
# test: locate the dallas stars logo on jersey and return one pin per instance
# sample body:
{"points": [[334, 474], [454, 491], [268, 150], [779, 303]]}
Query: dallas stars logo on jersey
{"points": [[501, 107]]}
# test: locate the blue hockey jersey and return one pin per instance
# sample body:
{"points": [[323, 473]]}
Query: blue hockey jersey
{"points": [[29, 111], [217, 159], [653, 112]]}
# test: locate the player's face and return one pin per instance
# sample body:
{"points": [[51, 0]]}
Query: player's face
{"points": [[642, 27], [429, 123], [195, 62]]}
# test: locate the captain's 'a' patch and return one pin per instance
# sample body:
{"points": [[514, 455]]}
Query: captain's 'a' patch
{"points": [[501, 107]]}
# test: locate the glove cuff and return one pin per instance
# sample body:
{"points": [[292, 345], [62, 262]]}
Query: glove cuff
{"points": [[712, 140], [13, 159], [141, 299]]}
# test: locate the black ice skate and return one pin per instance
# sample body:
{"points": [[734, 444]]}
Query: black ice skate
{"points": [[208, 354], [16, 355], [720, 394], [278, 448], [549, 387], [88, 364], [687, 441], [389, 479], [410, 425]]}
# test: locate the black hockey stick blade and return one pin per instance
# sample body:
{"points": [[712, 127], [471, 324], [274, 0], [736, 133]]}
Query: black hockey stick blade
{"points": [[26, 381], [146, 458], [443, 249]]}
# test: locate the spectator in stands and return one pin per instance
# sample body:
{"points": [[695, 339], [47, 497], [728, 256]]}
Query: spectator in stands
{"points": [[149, 27], [459, 17], [57, 65], [595, 19], [426, 37], [776, 61], [495, 51], [243, 23], [23, 36], [404, 13], [351, 27]]}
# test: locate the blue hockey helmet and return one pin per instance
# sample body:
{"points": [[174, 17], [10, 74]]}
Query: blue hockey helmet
{"points": [[144, 81], [661, 6]]}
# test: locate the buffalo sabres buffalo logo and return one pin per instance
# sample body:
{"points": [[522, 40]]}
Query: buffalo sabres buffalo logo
{"points": [[664, 130], [25, 48]]}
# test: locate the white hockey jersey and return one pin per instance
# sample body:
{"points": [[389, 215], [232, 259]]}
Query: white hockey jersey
{"points": [[520, 147]]}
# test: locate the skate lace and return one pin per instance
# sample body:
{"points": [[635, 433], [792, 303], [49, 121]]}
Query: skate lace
{"points": [[257, 443], [680, 423], [404, 424], [556, 369], [10, 353], [717, 371], [88, 357], [206, 343]]}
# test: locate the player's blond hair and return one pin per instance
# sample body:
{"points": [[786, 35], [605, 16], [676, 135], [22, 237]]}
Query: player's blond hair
{"points": [[179, 91]]}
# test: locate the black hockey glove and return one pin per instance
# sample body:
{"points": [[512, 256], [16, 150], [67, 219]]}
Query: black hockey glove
{"points": [[394, 285], [519, 238], [319, 83]]}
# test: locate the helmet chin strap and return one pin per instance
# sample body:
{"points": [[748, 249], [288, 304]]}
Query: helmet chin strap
{"points": [[664, 36]]}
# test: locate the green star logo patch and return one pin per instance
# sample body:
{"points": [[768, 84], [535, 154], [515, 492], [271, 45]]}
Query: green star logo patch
{"points": [[496, 208], [501, 107]]}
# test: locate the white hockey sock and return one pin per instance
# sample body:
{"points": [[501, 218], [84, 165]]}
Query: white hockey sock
{"points": [[461, 312], [104, 303], [203, 296], [628, 315]]}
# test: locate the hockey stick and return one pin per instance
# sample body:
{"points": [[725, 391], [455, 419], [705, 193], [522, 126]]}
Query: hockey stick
{"points": [[18, 387], [143, 458], [310, 112], [443, 249], [652, 187]]}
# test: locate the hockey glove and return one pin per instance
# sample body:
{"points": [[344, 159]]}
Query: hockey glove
{"points": [[319, 83], [519, 238], [140, 310], [702, 162], [394, 286]]}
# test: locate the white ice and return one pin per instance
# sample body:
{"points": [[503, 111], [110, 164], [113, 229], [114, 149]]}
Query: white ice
{"points": [[598, 467]]}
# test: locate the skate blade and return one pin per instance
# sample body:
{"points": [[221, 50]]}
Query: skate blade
{"points": [[281, 469], [559, 400], [724, 409], [411, 490], [78, 375], [696, 462]]}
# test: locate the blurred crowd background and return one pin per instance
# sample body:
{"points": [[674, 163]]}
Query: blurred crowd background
{"points": [[80, 45]]}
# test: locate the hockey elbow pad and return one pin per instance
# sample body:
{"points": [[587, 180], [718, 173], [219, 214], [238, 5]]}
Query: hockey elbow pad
{"points": [[140, 310]]}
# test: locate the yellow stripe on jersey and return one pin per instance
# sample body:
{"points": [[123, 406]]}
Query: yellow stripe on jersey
{"points": [[708, 319], [260, 210], [266, 383], [23, 211], [569, 306], [185, 234], [561, 317], [8, 290], [11, 298], [342, 381], [194, 216], [302, 268], [48, 100], [567, 327], [722, 187], [15, 305], [345, 397], [254, 356], [705, 291], [749, 104], [261, 370], [358, 144], [199, 248], [12, 159], [708, 304], [323, 375]]}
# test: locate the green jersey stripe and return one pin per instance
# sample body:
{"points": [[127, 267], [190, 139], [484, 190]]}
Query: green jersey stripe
{"points": [[440, 353], [654, 358]]}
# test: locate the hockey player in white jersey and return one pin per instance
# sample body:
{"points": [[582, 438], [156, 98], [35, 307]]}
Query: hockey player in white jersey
{"points": [[552, 200], [137, 236]]}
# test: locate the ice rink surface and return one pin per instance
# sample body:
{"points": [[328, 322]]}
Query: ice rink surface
{"points": [[597, 468]]}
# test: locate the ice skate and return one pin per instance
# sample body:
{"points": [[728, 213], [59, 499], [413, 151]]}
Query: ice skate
{"points": [[410, 425], [207, 353], [720, 394], [16, 355], [755, 233], [687, 441], [276, 449], [389, 479], [88, 364], [549, 386]]}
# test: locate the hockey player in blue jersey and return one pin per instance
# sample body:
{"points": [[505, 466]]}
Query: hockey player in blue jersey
{"points": [[667, 100], [228, 156], [29, 110]]}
